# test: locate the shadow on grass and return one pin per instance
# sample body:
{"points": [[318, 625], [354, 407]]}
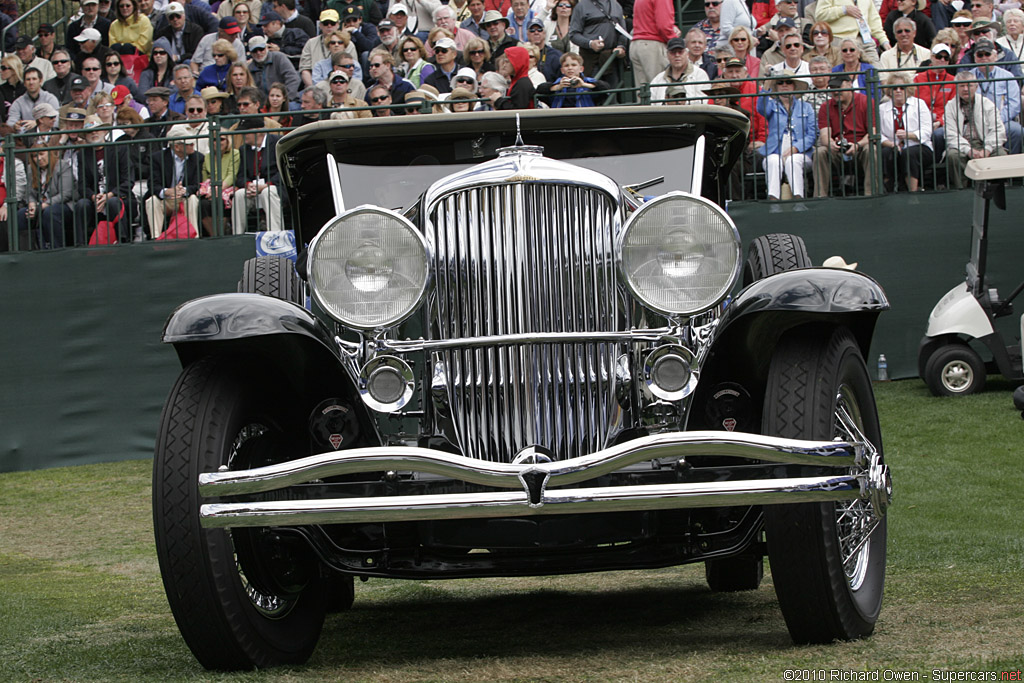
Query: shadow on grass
{"points": [[552, 623]]}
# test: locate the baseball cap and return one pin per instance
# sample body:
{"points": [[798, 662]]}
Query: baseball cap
{"points": [[74, 114], [338, 76], [78, 83], [535, 22], [734, 61], [941, 47], [45, 28], [174, 8], [90, 2], [269, 17], [398, 8], [43, 109], [984, 45], [22, 42], [119, 93], [787, 22], [385, 24], [676, 44], [351, 12], [180, 130], [445, 42], [229, 25], [330, 15], [257, 42], [839, 80], [88, 34]]}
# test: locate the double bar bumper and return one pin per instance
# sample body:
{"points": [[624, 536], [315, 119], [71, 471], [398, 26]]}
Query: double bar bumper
{"points": [[860, 474]]}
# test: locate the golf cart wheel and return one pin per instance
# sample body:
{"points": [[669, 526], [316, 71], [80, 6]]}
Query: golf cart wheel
{"points": [[242, 598], [954, 370], [774, 253], [827, 559], [733, 574], [273, 276]]}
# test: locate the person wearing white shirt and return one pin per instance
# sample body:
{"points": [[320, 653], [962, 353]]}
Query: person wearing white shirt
{"points": [[905, 126]]}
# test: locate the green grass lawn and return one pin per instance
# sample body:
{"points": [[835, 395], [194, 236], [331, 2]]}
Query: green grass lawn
{"points": [[81, 599]]}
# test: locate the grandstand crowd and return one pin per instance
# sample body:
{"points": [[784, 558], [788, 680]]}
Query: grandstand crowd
{"points": [[149, 119]]}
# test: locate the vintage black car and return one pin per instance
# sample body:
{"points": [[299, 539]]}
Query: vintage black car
{"points": [[513, 361]]}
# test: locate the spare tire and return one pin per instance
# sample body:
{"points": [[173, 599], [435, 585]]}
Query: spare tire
{"points": [[774, 253], [272, 276]]}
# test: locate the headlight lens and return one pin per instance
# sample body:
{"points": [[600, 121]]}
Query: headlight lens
{"points": [[369, 268], [680, 254]]}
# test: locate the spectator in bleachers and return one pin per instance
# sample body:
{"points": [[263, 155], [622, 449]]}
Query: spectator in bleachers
{"points": [[290, 17], [816, 96], [27, 53], [653, 26], [104, 9], [199, 12], [60, 85], [982, 10], [492, 86], [79, 93], [184, 87], [990, 32], [281, 38], [784, 28], [340, 96], [711, 25], [477, 56], [557, 26], [935, 87], [369, 11], [741, 40], [157, 100], [19, 114], [92, 69], [279, 106], [316, 49], [269, 67], [696, 49], [549, 62], [572, 89], [382, 72], [961, 23], [793, 58], [822, 45], [195, 115], [115, 74], [446, 66], [597, 27], [398, 14], [102, 106], [497, 39], [104, 184], [792, 129], [160, 71], [514, 64], [998, 86], [131, 33], [941, 13], [215, 100], [905, 54], [246, 19], [911, 9], [228, 7], [227, 30], [849, 21], [176, 174], [344, 62], [123, 98], [216, 74], [45, 116], [444, 17], [680, 71], [181, 35], [47, 41], [414, 60], [460, 100], [852, 64], [90, 19], [257, 181], [362, 35], [251, 100], [974, 129], [89, 46], [471, 23], [1012, 41], [843, 124], [905, 126], [239, 77], [735, 13], [519, 16], [313, 99], [220, 172], [72, 120], [48, 213]]}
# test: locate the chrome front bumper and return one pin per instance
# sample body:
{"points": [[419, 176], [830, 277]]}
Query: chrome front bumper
{"points": [[860, 474]]}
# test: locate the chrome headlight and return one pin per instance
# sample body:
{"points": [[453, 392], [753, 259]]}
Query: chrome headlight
{"points": [[680, 254], [369, 268]]}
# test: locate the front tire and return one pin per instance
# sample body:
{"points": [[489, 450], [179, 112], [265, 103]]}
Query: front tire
{"points": [[242, 598], [954, 370], [827, 559]]}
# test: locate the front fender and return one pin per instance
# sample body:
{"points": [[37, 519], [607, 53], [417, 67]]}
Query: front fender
{"points": [[223, 317]]}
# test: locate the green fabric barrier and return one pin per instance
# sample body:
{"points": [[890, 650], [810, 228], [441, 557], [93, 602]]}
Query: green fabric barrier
{"points": [[84, 375]]}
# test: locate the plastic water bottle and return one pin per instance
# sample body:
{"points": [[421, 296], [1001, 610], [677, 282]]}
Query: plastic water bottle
{"points": [[883, 368]]}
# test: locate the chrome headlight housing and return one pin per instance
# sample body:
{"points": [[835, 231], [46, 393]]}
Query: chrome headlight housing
{"points": [[679, 254], [369, 268]]}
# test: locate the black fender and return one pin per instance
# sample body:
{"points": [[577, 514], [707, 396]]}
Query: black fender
{"points": [[744, 340], [271, 336]]}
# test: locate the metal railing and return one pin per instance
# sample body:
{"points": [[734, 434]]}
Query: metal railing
{"points": [[53, 12]]}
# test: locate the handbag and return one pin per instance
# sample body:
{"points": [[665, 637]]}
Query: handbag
{"points": [[106, 231], [134, 65], [179, 227]]}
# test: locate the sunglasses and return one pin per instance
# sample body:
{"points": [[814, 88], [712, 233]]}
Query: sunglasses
{"points": [[819, 32], [564, 5], [105, 105], [982, 53], [376, 65], [346, 66], [468, 81], [790, 46], [722, 60], [536, 29], [4, 67], [410, 49], [739, 39], [476, 52], [60, 61], [258, 49], [328, 23], [196, 110], [338, 80], [243, 103], [220, 54], [976, 5], [335, 42], [113, 63], [91, 68], [941, 55], [848, 50], [155, 53], [899, 87], [712, 4], [441, 50], [901, 31], [786, 83], [375, 100]]}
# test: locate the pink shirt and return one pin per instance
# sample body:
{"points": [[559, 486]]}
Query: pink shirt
{"points": [[654, 20]]}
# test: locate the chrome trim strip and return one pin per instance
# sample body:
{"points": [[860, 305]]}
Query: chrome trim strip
{"points": [[485, 505], [334, 174], [629, 336], [664, 446], [697, 183]]}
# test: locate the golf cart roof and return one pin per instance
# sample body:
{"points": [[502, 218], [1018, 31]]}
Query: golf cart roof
{"points": [[996, 168]]}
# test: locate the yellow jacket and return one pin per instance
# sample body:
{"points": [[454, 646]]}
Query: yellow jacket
{"points": [[843, 25], [138, 33]]}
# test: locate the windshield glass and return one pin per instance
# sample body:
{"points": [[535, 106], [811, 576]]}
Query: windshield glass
{"points": [[396, 180]]}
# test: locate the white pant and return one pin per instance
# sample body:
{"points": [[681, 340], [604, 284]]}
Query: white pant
{"points": [[156, 212], [268, 200], [794, 167]]}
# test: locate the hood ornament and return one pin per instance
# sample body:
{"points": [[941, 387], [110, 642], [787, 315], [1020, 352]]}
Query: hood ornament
{"points": [[520, 147]]}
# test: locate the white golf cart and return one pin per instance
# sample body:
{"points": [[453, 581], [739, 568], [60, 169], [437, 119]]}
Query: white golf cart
{"points": [[946, 360]]}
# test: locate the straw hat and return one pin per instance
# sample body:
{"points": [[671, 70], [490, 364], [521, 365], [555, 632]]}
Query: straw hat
{"points": [[839, 262]]}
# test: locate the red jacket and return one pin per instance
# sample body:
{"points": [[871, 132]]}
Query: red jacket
{"points": [[936, 87], [654, 20]]}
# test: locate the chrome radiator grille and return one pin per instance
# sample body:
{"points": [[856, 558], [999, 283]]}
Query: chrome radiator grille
{"points": [[527, 258]]}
